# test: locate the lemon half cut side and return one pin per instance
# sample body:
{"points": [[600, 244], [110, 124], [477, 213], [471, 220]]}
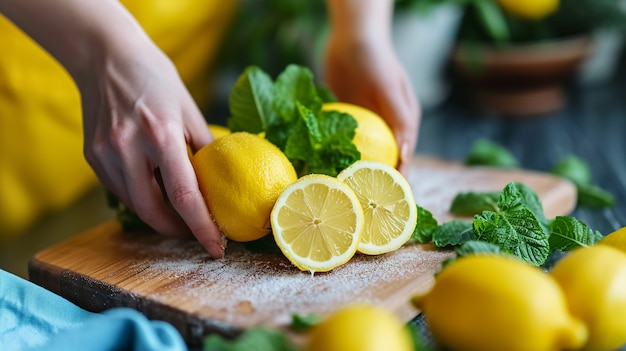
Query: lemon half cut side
{"points": [[388, 205], [317, 223]]}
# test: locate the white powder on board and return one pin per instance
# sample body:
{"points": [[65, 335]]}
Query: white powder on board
{"points": [[248, 288]]}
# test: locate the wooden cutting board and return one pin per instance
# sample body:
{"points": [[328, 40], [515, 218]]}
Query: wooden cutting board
{"points": [[254, 284]]}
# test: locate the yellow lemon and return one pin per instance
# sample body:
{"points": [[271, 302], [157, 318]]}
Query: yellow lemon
{"points": [[218, 130], [490, 302], [616, 239], [373, 138], [594, 282], [360, 328], [388, 204], [240, 176], [530, 9], [317, 223]]}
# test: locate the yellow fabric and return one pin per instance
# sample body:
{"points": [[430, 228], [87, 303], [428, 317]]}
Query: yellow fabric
{"points": [[42, 167]]}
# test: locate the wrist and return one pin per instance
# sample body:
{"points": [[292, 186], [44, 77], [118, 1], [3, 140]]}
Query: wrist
{"points": [[360, 21]]}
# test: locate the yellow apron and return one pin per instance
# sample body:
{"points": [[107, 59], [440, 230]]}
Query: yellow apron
{"points": [[42, 168]]}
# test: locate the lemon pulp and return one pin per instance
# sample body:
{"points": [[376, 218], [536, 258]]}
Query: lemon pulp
{"points": [[317, 223], [388, 205]]}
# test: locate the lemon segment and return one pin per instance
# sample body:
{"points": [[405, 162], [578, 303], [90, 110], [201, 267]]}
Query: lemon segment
{"points": [[388, 205], [317, 223]]}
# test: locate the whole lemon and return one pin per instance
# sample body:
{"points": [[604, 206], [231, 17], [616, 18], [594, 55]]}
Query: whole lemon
{"points": [[360, 328], [240, 176], [530, 9], [218, 130], [594, 282], [373, 137], [493, 302], [617, 239]]}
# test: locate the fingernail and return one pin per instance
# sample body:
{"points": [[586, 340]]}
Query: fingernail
{"points": [[216, 249]]}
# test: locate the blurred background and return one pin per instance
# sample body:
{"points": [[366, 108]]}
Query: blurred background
{"points": [[544, 78]]}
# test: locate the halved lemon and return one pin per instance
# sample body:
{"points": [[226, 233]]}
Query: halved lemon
{"points": [[317, 223], [388, 205]]}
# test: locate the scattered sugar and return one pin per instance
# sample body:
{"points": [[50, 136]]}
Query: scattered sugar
{"points": [[248, 288]]}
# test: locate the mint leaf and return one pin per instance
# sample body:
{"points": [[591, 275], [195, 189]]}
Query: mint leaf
{"points": [[517, 195], [419, 342], [453, 233], [302, 323], [295, 86], [573, 168], [578, 172], [471, 203], [425, 227], [516, 231], [590, 195], [256, 339], [325, 94], [473, 247], [487, 153], [251, 102], [568, 233], [322, 142]]}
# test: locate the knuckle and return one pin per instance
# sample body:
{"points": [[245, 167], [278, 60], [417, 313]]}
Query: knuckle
{"points": [[147, 214], [182, 196]]}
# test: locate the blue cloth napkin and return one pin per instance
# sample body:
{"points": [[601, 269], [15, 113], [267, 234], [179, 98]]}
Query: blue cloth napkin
{"points": [[33, 318]]}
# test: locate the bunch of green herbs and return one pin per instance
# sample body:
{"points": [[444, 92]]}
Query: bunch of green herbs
{"points": [[289, 113]]}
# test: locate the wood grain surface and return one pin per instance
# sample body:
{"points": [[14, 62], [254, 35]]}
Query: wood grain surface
{"points": [[176, 281]]}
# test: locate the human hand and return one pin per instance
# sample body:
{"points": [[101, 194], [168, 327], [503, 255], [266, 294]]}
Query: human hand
{"points": [[138, 120], [137, 115], [361, 67]]}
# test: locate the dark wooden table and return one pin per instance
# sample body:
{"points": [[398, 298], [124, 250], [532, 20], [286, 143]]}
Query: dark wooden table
{"points": [[592, 126]]}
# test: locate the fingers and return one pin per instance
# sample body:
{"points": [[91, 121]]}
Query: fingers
{"points": [[180, 182], [147, 202], [197, 132], [398, 105]]}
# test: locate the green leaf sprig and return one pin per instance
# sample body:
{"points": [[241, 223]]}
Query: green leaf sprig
{"points": [[289, 112], [516, 226], [484, 152], [578, 172]]}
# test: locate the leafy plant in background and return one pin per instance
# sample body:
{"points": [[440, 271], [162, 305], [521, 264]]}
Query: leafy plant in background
{"points": [[275, 33], [521, 21]]}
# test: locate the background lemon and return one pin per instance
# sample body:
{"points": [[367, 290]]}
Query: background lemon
{"points": [[317, 223], [373, 138], [490, 302], [531, 9], [388, 205], [240, 176], [594, 281], [218, 130], [360, 328], [617, 239]]}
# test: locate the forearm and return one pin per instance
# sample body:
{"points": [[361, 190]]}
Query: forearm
{"points": [[361, 19], [77, 33]]}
